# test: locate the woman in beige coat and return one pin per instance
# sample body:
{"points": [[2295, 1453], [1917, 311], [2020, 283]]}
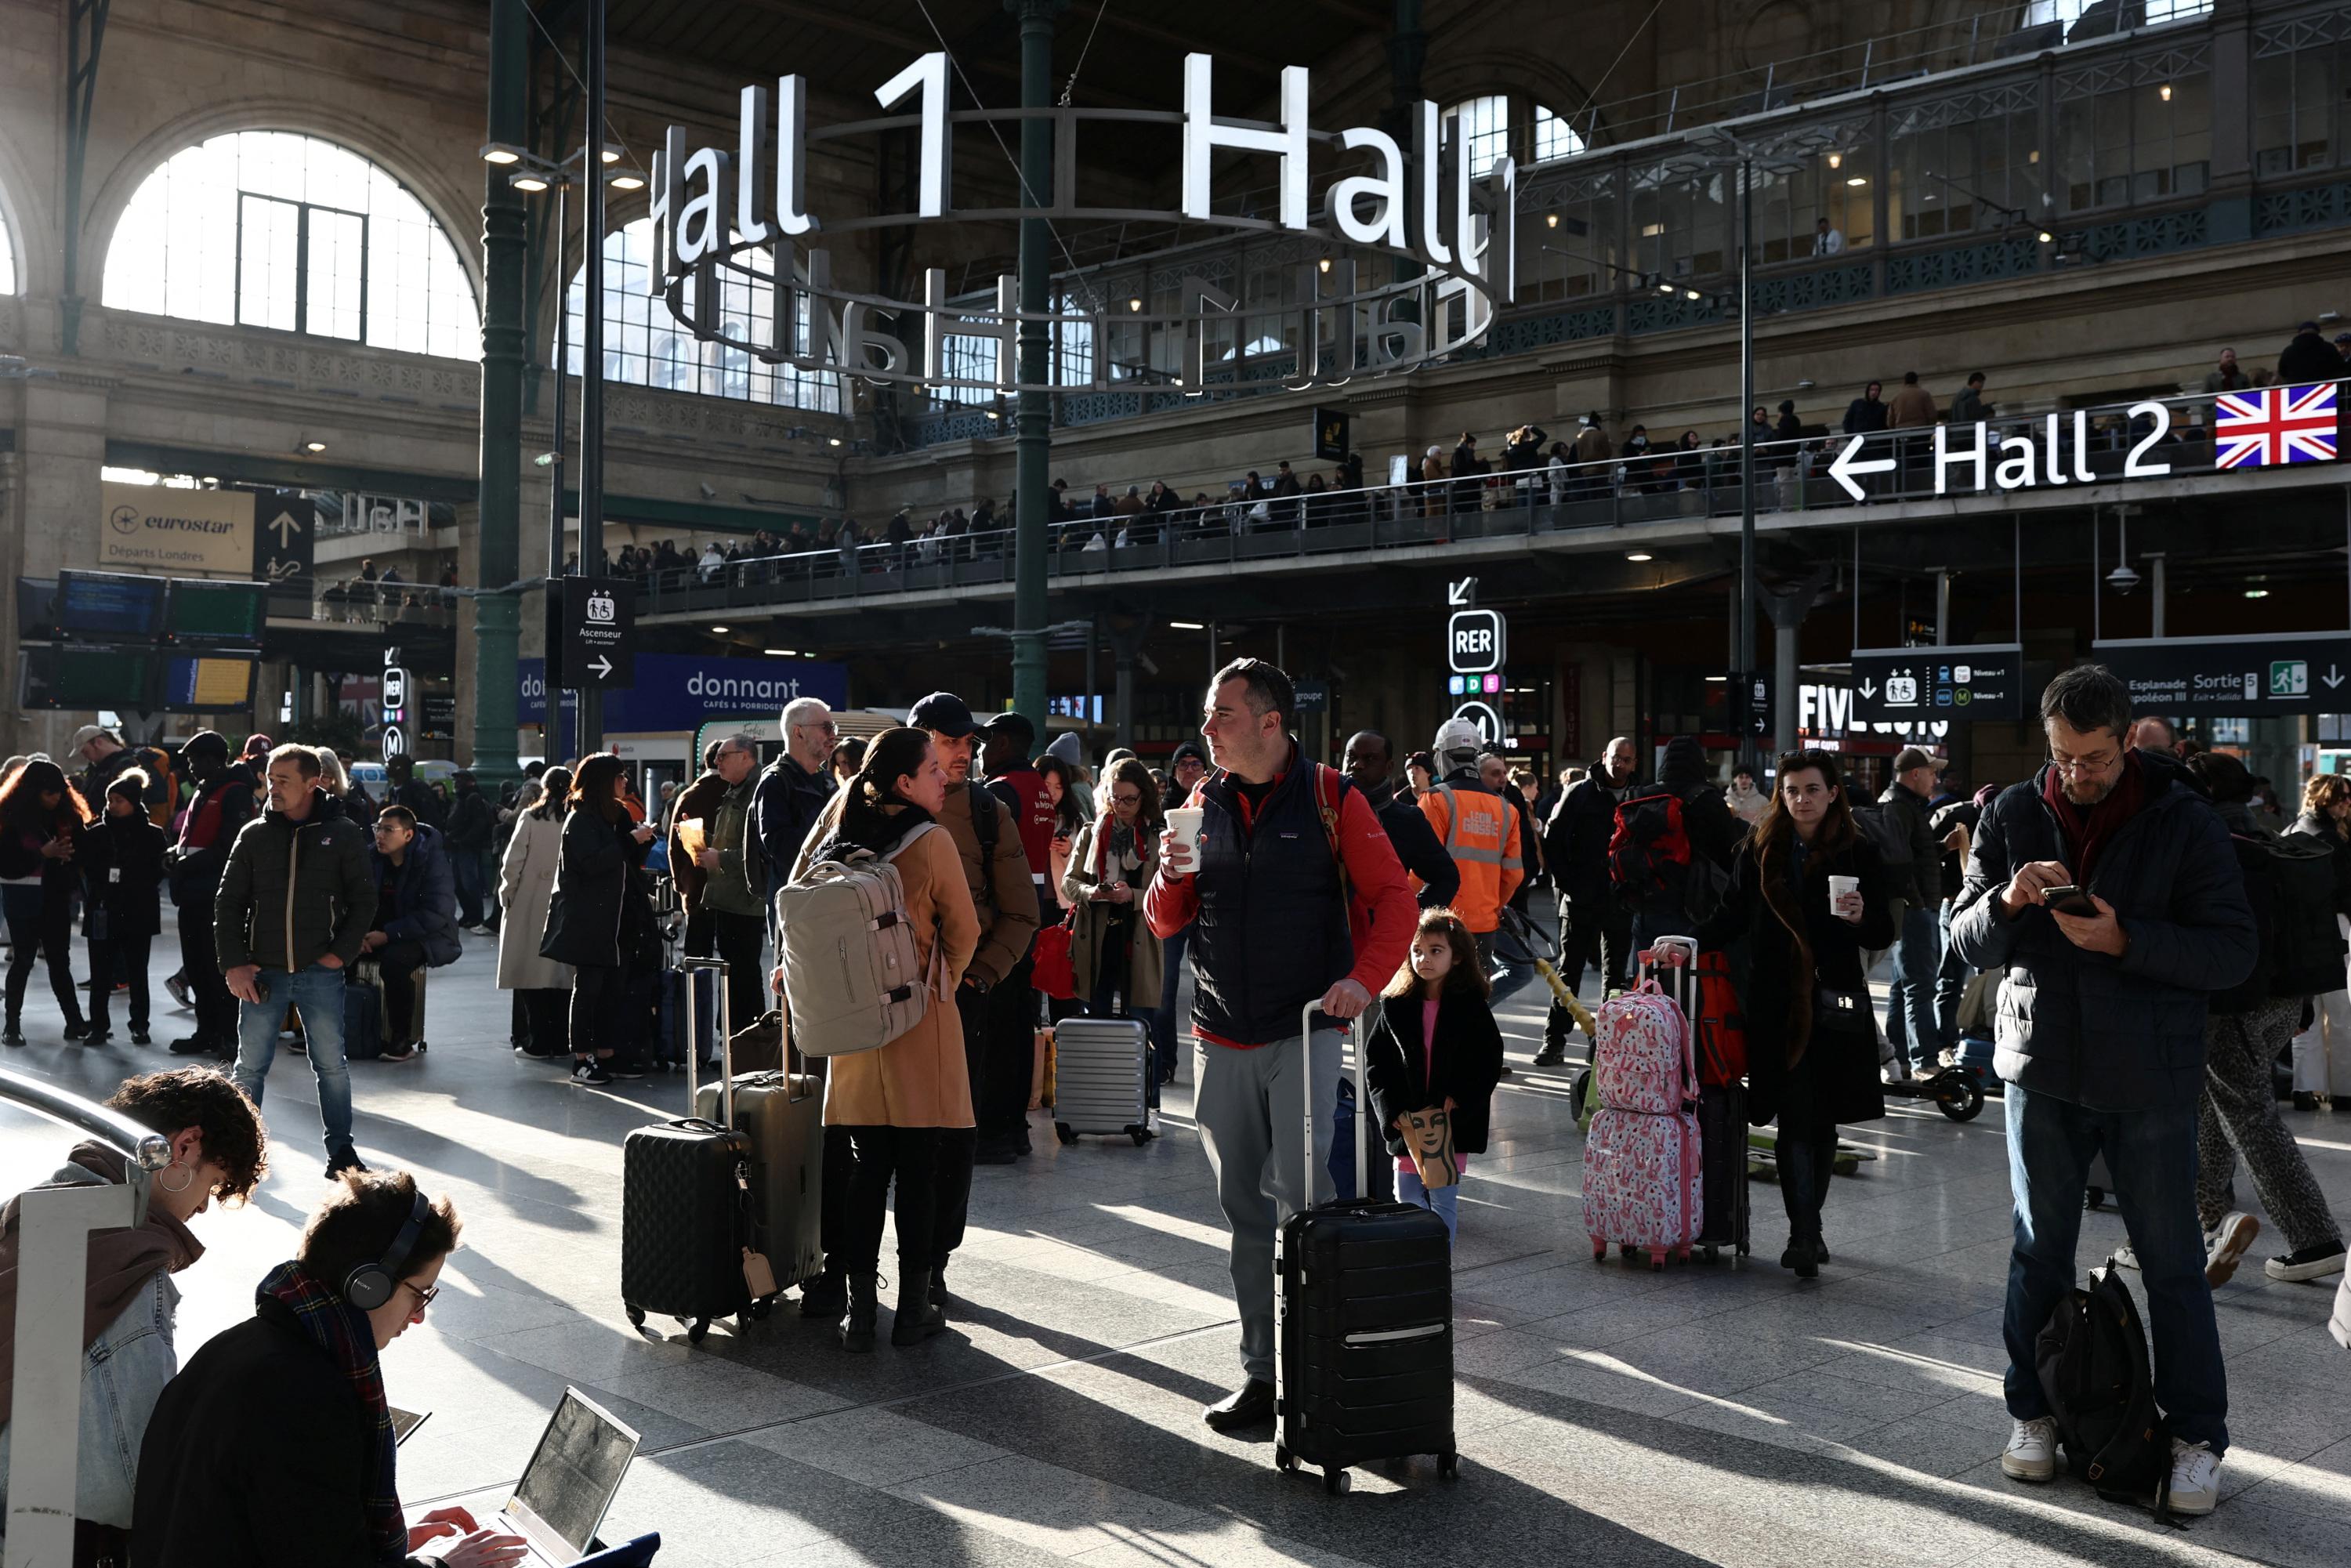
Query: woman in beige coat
{"points": [[895, 1101], [1117, 960], [525, 886]]}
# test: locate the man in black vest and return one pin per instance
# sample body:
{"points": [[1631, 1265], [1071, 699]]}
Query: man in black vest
{"points": [[1276, 928]]}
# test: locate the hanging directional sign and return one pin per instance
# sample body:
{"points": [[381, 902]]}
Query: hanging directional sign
{"points": [[285, 529], [1462, 595], [1897, 685], [1475, 641], [591, 633], [2307, 672]]}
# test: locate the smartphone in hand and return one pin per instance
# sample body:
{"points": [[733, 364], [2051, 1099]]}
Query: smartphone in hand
{"points": [[2068, 899]]}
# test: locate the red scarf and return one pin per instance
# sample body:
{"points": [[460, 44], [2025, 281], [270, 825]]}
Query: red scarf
{"points": [[2085, 840]]}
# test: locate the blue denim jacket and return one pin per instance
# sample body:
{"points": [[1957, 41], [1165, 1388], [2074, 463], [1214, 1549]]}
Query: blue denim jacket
{"points": [[122, 1374]]}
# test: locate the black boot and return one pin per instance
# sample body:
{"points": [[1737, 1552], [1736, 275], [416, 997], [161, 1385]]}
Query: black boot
{"points": [[939, 1294], [865, 1304], [918, 1317], [825, 1298], [13, 1034]]}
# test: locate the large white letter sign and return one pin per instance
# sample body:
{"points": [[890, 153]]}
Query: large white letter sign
{"points": [[1203, 135], [929, 74], [1001, 326], [1946, 459], [1428, 148], [1384, 189], [700, 223], [752, 209]]}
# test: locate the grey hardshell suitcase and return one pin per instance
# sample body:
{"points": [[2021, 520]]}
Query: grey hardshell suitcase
{"points": [[1364, 1326], [782, 1116], [1101, 1078]]}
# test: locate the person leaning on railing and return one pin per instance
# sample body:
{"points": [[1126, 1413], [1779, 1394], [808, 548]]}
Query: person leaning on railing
{"points": [[129, 1301]]}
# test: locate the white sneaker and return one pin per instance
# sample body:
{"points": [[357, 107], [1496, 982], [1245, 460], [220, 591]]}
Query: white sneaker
{"points": [[2032, 1451], [2195, 1478], [2339, 1324], [2225, 1243], [2127, 1259]]}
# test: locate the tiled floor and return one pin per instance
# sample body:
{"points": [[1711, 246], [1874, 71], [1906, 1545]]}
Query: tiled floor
{"points": [[1707, 1415]]}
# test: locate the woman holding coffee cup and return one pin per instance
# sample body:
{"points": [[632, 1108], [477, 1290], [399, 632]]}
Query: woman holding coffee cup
{"points": [[1810, 894]]}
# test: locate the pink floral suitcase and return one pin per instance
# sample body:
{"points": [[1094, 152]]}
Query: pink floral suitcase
{"points": [[1642, 1186]]}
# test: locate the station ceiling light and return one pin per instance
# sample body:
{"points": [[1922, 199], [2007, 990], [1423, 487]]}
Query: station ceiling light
{"points": [[312, 445], [780, 653], [501, 152], [1858, 180], [529, 180], [718, 628], [2257, 593], [1638, 555], [625, 180], [1187, 626]]}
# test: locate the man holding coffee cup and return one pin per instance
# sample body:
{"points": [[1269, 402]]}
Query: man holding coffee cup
{"points": [[1290, 906]]}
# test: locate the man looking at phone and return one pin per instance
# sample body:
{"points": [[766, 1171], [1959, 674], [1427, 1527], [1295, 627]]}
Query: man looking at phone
{"points": [[2107, 889]]}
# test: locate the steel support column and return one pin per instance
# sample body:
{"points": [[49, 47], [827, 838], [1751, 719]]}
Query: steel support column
{"points": [[85, 40], [497, 609], [592, 356], [1034, 418], [1747, 741]]}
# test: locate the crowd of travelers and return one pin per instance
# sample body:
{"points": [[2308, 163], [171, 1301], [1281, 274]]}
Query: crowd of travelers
{"points": [[2138, 929]]}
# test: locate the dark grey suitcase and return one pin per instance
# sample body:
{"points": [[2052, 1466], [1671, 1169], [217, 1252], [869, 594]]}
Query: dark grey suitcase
{"points": [[687, 1217], [782, 1116], [1722, 1169], [1364, 1327], [1101, 1078]]}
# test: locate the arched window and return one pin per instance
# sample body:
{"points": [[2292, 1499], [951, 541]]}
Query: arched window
{"points": [[1554, 138], [266, 229], [646, 345], [7, 261], [1485, 121]]}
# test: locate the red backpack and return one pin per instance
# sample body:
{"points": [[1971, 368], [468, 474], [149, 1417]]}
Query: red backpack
{"points": [[1721, 1028], [1649, 852]]}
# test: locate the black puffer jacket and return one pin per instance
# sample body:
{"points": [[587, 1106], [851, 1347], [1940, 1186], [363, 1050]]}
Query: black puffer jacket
{"points": [[2311, 825], [121, 860], [1575, 840], [2111, 1034], [592, 915], [295, 892]]}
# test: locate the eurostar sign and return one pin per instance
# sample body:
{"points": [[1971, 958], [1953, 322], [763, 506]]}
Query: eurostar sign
{"points": [[745, 213]]}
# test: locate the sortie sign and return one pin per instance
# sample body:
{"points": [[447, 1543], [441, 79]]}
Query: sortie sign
{"points": [[2291, 672]]}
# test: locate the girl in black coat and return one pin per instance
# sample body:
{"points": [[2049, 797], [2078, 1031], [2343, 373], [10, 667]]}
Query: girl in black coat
{"points": [[595, 916], [121, 860], [1432, 1045], [39, 813], [1812, 1038]]}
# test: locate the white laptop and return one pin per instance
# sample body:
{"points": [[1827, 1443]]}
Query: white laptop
{"points": [[570, 1482]]}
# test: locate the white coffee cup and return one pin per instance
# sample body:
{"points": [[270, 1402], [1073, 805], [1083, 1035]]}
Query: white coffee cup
{"points": [[1185, 822], [1841, 885]]}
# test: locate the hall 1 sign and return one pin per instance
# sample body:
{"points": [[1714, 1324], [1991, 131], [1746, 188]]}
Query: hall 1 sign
{"points": [[1904, 686], [2290, 673]]}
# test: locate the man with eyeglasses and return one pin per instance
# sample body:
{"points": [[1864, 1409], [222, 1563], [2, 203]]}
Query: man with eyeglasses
{"points": [[721, 874], [792, 789], [2101, 1042]]}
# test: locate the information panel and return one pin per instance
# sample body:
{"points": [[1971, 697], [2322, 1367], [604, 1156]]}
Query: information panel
{"points": [[109, 604], [1982, 681], [197, 682], [2287, 673]]}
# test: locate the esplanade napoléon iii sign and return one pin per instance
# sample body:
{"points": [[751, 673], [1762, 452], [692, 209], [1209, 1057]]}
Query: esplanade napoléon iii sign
{"points": [[715, 210]]}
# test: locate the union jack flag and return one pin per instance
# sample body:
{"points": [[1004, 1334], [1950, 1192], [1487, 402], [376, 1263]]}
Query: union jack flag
{"points": [[2274, 425]]}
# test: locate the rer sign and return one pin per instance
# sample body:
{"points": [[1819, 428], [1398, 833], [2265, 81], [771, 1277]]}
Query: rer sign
{"points": [[1475, 641]]}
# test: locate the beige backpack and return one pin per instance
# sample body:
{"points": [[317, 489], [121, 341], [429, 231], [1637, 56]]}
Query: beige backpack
{"points": [[852, 976]]}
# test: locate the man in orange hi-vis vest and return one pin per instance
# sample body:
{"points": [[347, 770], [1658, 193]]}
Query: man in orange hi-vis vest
{"points": [[1480, 828]]}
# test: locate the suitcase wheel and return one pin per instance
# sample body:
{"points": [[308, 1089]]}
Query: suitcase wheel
{"points": [[1335, 1481], [1448, 1468], [1062, 1131], [1599, 1251], [1141, 1135], [694, 1332], [2096, 1197], [1284, 1459], [759, 1309], [636, 1316], [1657, 1260], [1628, 1250], [1957, 1097]]}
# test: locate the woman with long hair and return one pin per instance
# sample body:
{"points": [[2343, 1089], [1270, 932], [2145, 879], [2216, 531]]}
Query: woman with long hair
{"points": [[2322, 1051], [1068, 801], [592, 920], [541, 986], [40, 812], [1119, 961], [895, 1101], [1809, 894]]}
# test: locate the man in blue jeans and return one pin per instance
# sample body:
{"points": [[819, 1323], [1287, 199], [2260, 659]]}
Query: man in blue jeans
{"points": [[2101, 1039], [293, 910]]}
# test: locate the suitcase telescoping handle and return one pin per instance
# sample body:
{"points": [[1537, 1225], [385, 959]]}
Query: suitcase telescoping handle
{"points": [[1679, 955], [1351, 1039], [725, 1042]]}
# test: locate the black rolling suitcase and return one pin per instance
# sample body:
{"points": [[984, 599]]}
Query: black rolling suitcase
{"points": [[685, 1217], [1364, 1327], [1722, 1169]]}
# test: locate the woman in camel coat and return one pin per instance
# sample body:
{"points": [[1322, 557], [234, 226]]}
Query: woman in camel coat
{"points": [[895, 1101], [525, 888]]}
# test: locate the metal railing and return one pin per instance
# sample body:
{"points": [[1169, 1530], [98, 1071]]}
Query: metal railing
{"points": [[54, 1225], [2110, 443]]}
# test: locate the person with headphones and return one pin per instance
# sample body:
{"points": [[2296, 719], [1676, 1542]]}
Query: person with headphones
{"points": [[275, 1445]]}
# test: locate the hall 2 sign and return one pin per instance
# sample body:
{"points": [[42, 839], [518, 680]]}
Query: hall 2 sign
{"points": [[2012, 462]]}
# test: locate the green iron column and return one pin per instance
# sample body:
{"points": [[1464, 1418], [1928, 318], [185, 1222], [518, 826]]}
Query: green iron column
{"points": [[498, 613], [1034, 417]]}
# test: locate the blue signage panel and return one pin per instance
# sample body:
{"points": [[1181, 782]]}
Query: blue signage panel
{"points": [[680, 691]]}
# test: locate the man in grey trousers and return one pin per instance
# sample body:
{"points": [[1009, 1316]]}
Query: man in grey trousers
{"points": [[1291, 908]]}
